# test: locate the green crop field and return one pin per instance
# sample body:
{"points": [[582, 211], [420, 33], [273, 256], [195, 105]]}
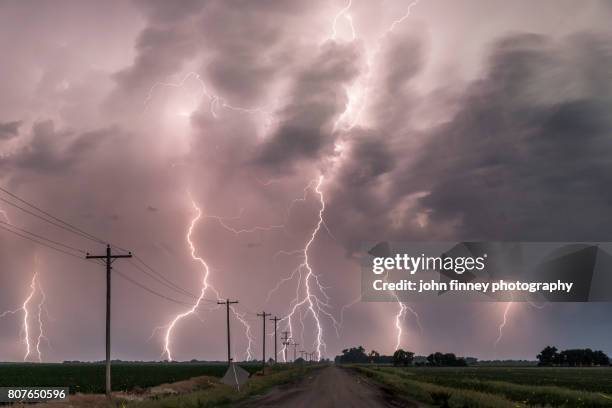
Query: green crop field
{"points": [[488, 387], [89, 377]]}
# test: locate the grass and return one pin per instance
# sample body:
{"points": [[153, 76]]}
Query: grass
{"points": [[223, 395], [89, 377], [498, 387]]}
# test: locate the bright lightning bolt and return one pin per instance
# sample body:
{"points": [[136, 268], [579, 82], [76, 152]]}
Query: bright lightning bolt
{"points": [[205, 284], [356, 93], [310, 283], [26, 330], [340, 14], [241, 318], [402, 18], [205, 287], [41, 332], [352, 110]]}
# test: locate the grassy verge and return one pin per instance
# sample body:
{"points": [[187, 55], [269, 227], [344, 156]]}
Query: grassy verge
{"points": [[435, 395], [223, 395], [529, 395], [465, 391]]}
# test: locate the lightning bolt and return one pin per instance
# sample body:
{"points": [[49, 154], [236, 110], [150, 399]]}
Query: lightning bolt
{"points": [[343, 13], [41, 332], [503, 323], [354, 106], [242, 319], [400, 316], [206, 286], [505, 319], [402, 18], [35, 288], [223, 222], [216, 102], [309, 281]]}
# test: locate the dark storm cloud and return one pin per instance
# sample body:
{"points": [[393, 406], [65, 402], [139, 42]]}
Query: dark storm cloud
{"points": [[317, 98], [9, 130], [167, 42], [161, 52], [367, 193], [527, 156], [510, 167], [53, 151]]}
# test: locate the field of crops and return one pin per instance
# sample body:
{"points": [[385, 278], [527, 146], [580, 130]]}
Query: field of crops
{"points": [[89, 378], [487, 387]]}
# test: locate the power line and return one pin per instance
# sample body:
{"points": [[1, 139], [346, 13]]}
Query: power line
{"points": [[59, 222], [151, 291], [160, 278], [40, 242], [43, 238]]}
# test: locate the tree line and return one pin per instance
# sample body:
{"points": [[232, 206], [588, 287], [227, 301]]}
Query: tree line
{"points": [[551, 356], [358, 355]]}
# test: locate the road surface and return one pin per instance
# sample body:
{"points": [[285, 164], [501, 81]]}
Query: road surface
{"points": [[329, 387]]}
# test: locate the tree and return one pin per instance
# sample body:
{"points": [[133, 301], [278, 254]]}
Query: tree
{"points": [[573, 357], [601, 359], [374, 356], [548, 356], [438, 359], [354, 355], [402, 357]]}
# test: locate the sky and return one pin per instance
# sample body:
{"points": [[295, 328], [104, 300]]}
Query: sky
{"points": [[254, 146]]}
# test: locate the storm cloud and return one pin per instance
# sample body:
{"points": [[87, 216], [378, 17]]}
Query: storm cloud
{"points": [[458, 122]]}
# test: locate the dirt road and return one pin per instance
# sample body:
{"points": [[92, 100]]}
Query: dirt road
{"points": [[328, 387]]}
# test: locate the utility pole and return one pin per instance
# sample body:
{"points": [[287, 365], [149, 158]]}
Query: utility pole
{"points": [[295, 350], [286, 342], [264, 315], [275, 320], [302, 354], [227, 304], [109, 258]]}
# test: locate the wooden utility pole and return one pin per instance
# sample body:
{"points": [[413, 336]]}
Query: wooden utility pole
{"points": [[108, 260], [295, 351], [263, 315], [286, 342], [227, 304], [275, 320]]}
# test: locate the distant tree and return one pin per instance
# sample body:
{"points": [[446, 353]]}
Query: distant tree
{"points": [[402, 358], [438, 359], [601, 358], [548, 356], [374, 356], [354, 355], [573, 357]]}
